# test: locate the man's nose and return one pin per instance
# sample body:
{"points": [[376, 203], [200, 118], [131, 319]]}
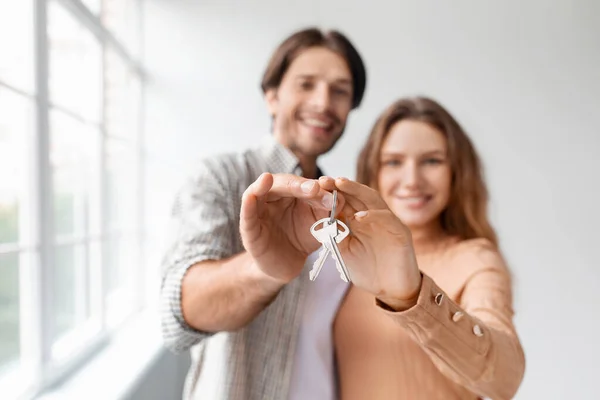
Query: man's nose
{"points": [[321, 97]]}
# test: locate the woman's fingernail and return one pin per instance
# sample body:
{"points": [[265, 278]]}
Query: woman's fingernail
{"points": [[307, 186], [360, 214], [327, 200]]}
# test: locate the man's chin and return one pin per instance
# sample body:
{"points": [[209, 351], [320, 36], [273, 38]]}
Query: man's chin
{"points": [[317, 149]]}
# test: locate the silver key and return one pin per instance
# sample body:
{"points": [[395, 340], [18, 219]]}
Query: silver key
{"points": [[329, 236], [322, 235], [339, 261], [318, 265]]}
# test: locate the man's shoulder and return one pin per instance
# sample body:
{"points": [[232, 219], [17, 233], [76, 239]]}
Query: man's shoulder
{"points": [[230, 168]]}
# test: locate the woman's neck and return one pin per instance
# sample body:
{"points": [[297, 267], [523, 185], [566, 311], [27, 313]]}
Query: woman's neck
{"points": [[428, 238]]}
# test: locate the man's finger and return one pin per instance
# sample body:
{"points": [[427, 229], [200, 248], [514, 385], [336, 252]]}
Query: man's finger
{"points": [[252, 200], [327, 183], [288, 185]]}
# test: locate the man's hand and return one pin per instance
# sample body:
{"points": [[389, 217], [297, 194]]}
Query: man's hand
{"points": [[276, 215]]}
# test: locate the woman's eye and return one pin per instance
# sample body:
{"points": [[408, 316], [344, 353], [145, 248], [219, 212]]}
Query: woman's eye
{"points": [[391, 163]]}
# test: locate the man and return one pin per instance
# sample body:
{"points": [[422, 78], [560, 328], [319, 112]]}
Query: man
{"points": [[257, 327]]}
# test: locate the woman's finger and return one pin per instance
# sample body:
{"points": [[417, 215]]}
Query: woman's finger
{"points": [[369, 197], [328, 183], [384, 220]]}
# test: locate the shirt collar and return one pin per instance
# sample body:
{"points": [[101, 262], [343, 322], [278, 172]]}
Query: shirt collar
{"points": [[280, 159]]}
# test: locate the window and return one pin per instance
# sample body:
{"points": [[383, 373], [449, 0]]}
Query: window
{"points": [[15, 243], [70, 184]]}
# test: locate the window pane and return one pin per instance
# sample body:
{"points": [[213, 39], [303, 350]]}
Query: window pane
{"points": [[121, 186], [9, 308], [69, 306], [16, 44], [75, 65], [121, 263], [74, 149], [93, 5], [121, 98], [15, 129], [122, 18]]}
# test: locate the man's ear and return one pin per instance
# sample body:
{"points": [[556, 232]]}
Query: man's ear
{"points": [[272, 101]]}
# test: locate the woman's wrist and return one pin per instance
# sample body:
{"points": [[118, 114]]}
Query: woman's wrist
{"points": [[402, 303]]}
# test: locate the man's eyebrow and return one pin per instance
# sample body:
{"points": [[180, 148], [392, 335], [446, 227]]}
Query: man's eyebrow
{"points": [[343, 81]]}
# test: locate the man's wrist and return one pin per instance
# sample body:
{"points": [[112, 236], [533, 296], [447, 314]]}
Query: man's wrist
{"points": [[268, 284]]}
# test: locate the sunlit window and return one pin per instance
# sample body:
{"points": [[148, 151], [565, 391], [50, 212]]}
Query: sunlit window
{"points": [[70, 180]]}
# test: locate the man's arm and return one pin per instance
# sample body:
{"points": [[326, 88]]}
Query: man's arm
{"points": [[225, 295], [200, 295], [228, 294], [204, 229]]}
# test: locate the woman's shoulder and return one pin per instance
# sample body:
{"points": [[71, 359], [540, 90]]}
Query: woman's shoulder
{"points": [[477, 253]]}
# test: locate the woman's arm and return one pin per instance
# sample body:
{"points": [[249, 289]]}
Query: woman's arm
{"points": [[473, 343]]}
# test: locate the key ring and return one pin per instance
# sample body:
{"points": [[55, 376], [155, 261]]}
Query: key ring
{"points": [[332, 216]]}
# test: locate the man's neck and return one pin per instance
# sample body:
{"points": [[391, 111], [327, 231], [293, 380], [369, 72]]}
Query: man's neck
{"points": [[308, 166]]}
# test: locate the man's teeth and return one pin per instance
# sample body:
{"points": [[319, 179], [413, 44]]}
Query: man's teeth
{"points": [[316, 123]]}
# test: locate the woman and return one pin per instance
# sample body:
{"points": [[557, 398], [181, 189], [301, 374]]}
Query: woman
{"points": [[429, 314]]}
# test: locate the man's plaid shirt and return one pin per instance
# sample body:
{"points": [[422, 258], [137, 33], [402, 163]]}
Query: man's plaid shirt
{"points": [[255, 362]]}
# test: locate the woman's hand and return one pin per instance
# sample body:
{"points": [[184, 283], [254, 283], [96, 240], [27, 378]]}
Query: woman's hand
{"points": [[379, 251]]}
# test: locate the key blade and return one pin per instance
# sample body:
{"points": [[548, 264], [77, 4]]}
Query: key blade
{"points": [[318, 265], [339, 260]]}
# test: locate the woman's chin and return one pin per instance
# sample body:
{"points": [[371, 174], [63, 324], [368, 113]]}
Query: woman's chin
{"points": [[415, 222]]}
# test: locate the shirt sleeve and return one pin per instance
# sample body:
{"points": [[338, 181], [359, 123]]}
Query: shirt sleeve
{"points": [[203, 227], [473, 343]]}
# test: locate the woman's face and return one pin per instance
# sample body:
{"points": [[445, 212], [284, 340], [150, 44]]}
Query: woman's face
{"points": [[415, 176]]}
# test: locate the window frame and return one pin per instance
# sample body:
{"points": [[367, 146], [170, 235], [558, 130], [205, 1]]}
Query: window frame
{"points": [[37, 369]]}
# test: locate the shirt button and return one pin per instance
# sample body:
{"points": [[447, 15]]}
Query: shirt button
{"points": [[438, 298], [457, 316], [477, 331]]}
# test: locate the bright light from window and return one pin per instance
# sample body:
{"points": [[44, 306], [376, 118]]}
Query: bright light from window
{"points": [[75, 58], [16, 42], [74, 160], [123, 18], [93, 5], [69, 185], [15, 127]]}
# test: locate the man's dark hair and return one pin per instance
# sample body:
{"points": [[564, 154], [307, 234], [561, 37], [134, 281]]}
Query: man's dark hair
{"points": [[333, 40]]}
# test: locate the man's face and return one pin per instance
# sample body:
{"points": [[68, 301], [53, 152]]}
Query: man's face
{"points": [[311, 105]]}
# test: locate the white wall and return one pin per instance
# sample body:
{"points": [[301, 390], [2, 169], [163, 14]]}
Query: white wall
{"points": [[522, 77]]}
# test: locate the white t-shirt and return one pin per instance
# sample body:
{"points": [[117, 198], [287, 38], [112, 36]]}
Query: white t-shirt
{"points": [[313, 369]]}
